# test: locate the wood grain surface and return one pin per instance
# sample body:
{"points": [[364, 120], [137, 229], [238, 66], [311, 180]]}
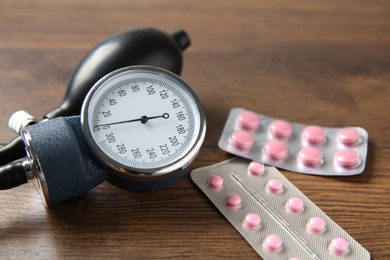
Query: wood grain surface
{"points": [[313, 62]]}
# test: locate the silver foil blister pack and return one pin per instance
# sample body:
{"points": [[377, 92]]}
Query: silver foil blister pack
{"points": [[274, 217], [295, 147]]}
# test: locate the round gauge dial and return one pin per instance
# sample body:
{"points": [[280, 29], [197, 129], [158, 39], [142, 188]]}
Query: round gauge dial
{"points": [[142, 119]]}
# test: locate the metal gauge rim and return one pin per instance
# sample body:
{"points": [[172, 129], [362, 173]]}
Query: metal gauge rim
{"points": [[181, 161]]}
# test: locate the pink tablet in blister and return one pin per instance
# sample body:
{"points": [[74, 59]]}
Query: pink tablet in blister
{"points": [[296, 147], [283, 224]]}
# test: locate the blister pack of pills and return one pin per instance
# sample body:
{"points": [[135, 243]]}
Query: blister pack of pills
{"points": [[275, 218], [295, 147]]}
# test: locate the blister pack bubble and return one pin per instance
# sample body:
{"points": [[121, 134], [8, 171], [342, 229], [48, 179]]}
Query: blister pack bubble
{"points": [[309, 149], [274, 217]]}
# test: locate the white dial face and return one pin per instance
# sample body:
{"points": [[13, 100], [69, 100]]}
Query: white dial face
{"points": [[142, 120]]}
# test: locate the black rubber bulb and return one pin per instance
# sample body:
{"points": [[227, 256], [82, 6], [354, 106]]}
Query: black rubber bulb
{"points": [[12, 175], [142, 46], [12, 151]]}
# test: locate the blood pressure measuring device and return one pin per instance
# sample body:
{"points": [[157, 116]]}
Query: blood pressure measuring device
{"points": [[140, 128]]}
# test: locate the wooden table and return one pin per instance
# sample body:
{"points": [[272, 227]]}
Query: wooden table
{"points": [[313, 62]]}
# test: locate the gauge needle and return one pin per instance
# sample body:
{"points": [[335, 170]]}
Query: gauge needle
{"points": [[143, 120]]}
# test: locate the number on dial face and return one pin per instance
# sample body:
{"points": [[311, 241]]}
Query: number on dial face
{"points": [[143, 121]]}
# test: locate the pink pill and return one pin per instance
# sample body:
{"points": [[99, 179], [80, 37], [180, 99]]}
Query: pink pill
{"points": [[242, 140], [316, 225], [273, 243], [294, 258], [233, 200], [339, 246], [249, 120], [275, 186], [314, 134], [256, 168], [310, 156], [346, 158], [215, 181], [348, 136], [281, 129], [294, 205], [252, 221], [275, 149]]}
